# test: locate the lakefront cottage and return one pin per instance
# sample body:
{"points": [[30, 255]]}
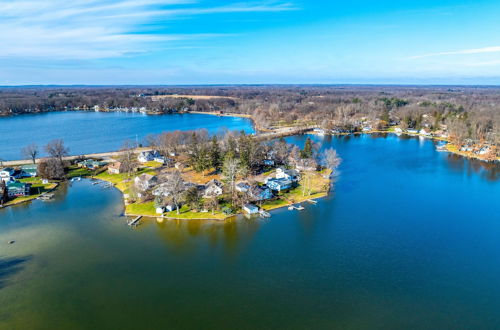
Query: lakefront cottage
{"points": [[115, 168], [213, 188], [258, 193], [16, 189], [145, 181], [148, 156], [291, 175], [279, 184], [7, 174], [29, 171], [91, 164], [250, 209]]}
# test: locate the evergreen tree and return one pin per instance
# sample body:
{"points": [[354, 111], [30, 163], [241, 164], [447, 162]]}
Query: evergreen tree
{"points": [[215, 154], [307, 152]]}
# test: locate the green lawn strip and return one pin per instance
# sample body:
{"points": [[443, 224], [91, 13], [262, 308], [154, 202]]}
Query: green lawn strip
{"points": [[75, 171], [153, 164], [148, 209], [122, 180]]}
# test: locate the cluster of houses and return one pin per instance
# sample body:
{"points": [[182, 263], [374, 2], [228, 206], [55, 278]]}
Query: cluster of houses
{"points": [[283, 180], [469, 146], [11, 186]]}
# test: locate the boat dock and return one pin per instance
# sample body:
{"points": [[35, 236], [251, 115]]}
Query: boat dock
{"points": [[293, 207], [135, 221]]}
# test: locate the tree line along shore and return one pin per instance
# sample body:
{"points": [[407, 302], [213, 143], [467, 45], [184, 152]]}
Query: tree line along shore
{"points": [[466, 116], [191, 175]]}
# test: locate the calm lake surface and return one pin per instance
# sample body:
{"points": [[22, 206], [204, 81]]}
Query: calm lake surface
{"points": [[410, 239], [91, 132]]}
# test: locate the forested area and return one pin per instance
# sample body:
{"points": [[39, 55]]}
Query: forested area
{"points": [[464, 112]]}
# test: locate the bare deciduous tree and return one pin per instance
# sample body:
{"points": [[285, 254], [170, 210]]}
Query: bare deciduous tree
{"points": [[331, 159], [57, 149], [30, 151], [128, 158], [174, 186]]}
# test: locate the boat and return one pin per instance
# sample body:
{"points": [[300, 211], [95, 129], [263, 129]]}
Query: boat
{"points": [[45, 197], [441, 147], [264, 214]]}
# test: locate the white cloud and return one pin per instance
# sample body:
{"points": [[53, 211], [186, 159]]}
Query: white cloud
{"points": [[494, 49], [93, 29]]}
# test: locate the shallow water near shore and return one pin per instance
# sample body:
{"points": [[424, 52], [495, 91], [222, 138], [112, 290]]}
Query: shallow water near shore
{"points": [[94, 132], [409, 238]]}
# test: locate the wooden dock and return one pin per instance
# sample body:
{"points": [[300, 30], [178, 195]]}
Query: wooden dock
{"points": [[135, 222]]}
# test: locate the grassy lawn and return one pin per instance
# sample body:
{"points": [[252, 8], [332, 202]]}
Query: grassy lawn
{"points": [[148, 209], [74, 171], [274, 204], [186, 213], [121, 181], [200, 178], [153, 164]]}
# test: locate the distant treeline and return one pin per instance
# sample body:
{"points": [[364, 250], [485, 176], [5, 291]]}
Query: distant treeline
{"points": [[464, 112]]}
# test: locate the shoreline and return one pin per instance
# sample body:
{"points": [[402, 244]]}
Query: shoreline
{"points": [[29, 198], [450, 147], [286, 203]]}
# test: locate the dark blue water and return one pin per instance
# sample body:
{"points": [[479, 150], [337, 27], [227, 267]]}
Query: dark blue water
{"points": [[91, 132], [409, 239]]}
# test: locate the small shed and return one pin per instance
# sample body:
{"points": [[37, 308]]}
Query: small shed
{"points": [[250, 209]]}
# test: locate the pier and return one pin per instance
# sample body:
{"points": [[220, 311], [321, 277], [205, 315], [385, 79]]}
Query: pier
{"points": [[135, 222]]}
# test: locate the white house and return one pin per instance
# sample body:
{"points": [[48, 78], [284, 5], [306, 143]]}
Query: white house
{"points": [[7, 174], [213, 188], [291, 175], [250, 209], [483, 151], [279, 184], [161, 159], [145, 181], [425, 132], [148, 156]]}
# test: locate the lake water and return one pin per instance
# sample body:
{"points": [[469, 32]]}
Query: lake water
{"points": [[91, 132], [409, 239]]}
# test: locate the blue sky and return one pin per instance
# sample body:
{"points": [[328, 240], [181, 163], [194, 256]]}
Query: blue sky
{"points": [[220, 42]]}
